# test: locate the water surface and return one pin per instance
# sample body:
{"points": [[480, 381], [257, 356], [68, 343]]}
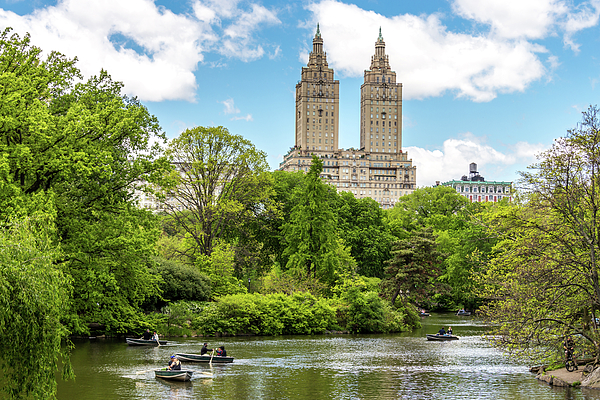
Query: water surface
{"points": [[399, 366]]}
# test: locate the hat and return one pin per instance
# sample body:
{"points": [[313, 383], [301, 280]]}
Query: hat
{"points": [[172, 356]]}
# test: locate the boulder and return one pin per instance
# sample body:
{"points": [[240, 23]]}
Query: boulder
{"points": [[552, 380], [592, 380]]}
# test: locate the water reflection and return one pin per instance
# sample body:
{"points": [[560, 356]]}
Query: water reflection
{"points": [[402, 366]]}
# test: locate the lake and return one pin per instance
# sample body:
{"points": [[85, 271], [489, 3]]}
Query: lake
{"points": [[395, 366]]}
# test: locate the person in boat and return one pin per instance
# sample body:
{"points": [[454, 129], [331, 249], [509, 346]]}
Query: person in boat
{"points": [[204, 349], [442, 331], [569, 347], [221, 352], [449, 330], [147, 335], [155, 336], [174, 364]]}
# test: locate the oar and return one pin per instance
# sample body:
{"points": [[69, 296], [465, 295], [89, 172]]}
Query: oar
{"points": [[204, 373], [143, 372], [211, 356]]}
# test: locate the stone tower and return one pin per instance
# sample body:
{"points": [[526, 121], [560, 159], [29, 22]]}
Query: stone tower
{"points": [[380, 105], [317, 101]]}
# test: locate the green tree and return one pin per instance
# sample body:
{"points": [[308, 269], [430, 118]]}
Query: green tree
{"points": [[311, 234], [220, 184], [431, 206], [77, 151], [33, 294], [219, 267], [363, 229], [543, 278], [414, 267]]}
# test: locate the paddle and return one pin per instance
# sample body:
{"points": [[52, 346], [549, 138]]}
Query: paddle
{"points": [[146, 371], [211, 356]]}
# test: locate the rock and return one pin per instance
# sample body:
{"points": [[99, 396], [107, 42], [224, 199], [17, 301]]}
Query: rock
{"points": [[558, 382], [552, 380], [592, 380], [588, 368], [544, 378]]}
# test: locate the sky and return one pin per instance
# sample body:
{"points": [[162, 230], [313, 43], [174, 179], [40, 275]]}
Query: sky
{"points": [[487, 81]]}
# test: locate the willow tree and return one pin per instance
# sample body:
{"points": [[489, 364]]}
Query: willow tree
{"points": [[221, 183], [34, 292], [543, 278]]}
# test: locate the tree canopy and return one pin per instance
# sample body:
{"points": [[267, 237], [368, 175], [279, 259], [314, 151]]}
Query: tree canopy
{"points": [[543, 276], [221, 182]]}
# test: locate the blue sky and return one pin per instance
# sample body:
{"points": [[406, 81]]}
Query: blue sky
{"points": [[491, 82]]}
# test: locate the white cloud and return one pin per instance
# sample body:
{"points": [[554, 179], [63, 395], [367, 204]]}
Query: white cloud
{"points": [[427, 58], [229, 107], [531, 19], [431, 60], [154, 51], [247, 117], [452, 161], [586, 16]]}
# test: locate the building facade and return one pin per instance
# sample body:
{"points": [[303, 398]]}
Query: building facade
{"points": [[475, 188], [379, 169]]}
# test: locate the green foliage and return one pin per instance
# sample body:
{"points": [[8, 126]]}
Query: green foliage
{"points": [[543, 277], [76, 151], [414, 267], [179, 282], [313, 246], [362, 283], [363, 229], [273, 314], [277, 281], [219, 267], [461, 236], [33, 295], [221, 183]]}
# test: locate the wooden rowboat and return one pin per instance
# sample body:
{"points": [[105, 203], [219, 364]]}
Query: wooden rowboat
{"points": [[181, 375], [142, 342], [441, 338], [203, 358]]}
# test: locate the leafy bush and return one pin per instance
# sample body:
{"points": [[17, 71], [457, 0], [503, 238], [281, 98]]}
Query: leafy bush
{"points": [[273, 314], [179, 282], [368, 313]]}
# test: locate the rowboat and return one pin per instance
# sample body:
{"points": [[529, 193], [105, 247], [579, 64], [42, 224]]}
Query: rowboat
{"points": [[463, 313], [203, 358], [142, 342], [181, 375], [441, 338]]}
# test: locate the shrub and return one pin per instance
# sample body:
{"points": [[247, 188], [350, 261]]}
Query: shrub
{"points": [[273, 314], [179, 282]]}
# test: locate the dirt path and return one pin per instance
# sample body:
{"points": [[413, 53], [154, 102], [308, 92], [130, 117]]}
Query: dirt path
{"points": [[563, 375]]}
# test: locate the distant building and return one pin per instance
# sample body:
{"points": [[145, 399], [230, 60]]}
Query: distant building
{"points": [[379, 169], [476, 188]]}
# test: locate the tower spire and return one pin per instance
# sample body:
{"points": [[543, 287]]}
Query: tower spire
{"points": [[318, 34], [380, 38]]}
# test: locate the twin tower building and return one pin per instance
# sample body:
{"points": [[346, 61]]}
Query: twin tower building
{"points": [[379, 169]]}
